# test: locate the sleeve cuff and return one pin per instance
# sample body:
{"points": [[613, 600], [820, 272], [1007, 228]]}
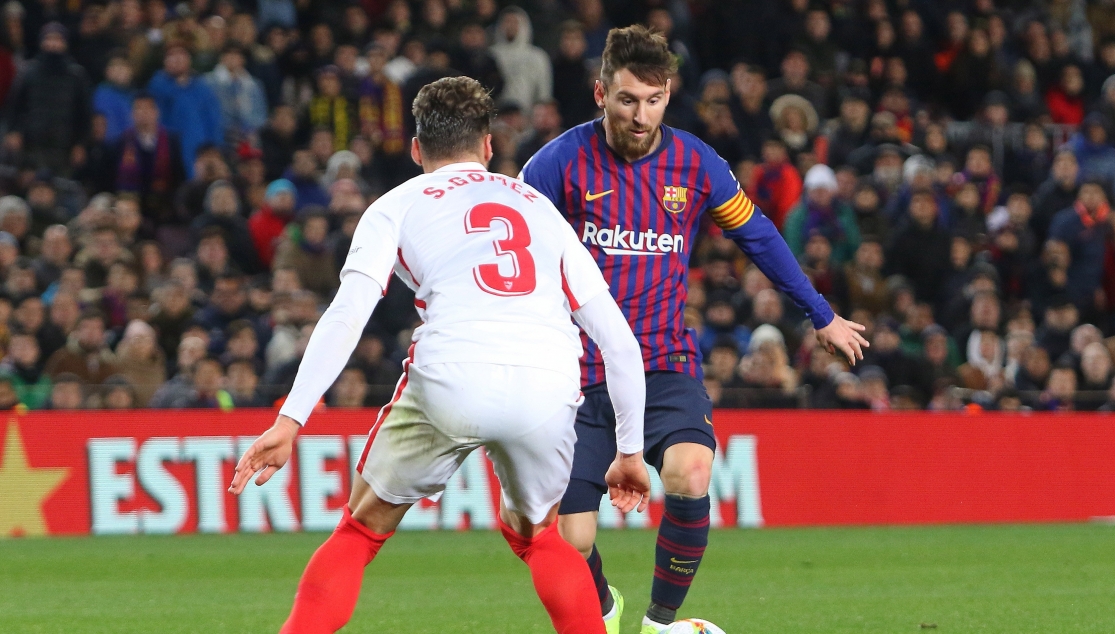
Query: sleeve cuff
{"points": [[822, 315]]}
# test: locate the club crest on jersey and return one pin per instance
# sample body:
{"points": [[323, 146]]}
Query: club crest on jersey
{"points": [[674, 198]]}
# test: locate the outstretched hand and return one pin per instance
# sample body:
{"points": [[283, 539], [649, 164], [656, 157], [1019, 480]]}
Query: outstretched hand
{"points": [[267, 454], [843, 335], [628, 483]]}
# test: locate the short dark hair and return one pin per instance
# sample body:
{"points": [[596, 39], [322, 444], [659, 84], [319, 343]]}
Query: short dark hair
{"points": [[640, 50], [213, 232], [91, 314], [452, 115]]}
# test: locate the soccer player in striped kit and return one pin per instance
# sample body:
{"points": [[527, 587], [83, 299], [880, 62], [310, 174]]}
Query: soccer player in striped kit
{"points": [[634, 190]]}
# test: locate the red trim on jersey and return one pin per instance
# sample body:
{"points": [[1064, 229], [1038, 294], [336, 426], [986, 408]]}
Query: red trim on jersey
{"points": [[419, 303], [407, 268], [574, 305], [383, 413]]}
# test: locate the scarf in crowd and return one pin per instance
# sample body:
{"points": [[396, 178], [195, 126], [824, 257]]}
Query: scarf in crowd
{"points": [[1090, 220], [381, 110], [332, 113], [989, 190], [129, 175], [824, 221]]}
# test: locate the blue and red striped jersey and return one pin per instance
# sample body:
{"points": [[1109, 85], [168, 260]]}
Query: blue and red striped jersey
{"points": [[639, 220]]}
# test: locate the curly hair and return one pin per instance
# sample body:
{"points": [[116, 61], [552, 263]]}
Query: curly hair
{"points": [[452, 115]]}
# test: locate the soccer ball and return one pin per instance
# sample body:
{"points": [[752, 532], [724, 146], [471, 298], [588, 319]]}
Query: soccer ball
{"points": [[693, 626]]}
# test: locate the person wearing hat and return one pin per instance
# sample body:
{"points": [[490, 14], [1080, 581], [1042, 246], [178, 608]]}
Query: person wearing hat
{"points": [[269, 222], [49, 107], [795, 121], [187, 105], [1084, 227], [330, 109], [525, 67], [819, 212]]}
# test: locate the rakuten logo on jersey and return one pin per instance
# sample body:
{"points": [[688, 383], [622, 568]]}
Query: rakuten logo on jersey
{"points": [[618, 241]]}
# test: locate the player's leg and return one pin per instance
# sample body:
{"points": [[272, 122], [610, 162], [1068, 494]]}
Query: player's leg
{"points": [[593, 453], [560, 575], [406, 459], [681, 445], [532, 452], [330, 585]]}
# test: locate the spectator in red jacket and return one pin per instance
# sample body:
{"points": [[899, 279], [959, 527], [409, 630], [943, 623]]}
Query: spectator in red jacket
{"points": [[269, 222], [776, 185], [1065, 100]]}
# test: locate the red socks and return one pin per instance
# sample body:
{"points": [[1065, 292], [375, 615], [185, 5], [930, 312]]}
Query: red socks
{"points": [[561, 579], [330, 585]]}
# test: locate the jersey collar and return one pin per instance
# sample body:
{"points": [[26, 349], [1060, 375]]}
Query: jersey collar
{"points": [[468, 166], [667, 138]]}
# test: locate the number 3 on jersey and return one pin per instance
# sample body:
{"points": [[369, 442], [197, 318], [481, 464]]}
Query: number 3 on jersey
{"points": [[488, 276]]}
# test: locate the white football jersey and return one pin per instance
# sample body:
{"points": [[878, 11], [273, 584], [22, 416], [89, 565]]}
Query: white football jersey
{"points": [[495, 268]]}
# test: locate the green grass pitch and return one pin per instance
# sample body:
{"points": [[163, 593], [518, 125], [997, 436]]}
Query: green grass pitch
{"points": [[1035, 578]]}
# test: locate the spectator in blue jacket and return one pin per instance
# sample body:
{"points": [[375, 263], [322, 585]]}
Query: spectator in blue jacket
{"points": [[188, 106], [1093, 150], [1084, 227], [113, 97], [243, 102]]}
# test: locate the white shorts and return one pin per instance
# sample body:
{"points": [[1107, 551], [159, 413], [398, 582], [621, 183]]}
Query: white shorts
{"points": [[441, 412]]}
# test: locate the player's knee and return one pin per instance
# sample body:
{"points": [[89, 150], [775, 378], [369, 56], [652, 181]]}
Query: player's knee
{"points": [[579, 530], [690, 479]]}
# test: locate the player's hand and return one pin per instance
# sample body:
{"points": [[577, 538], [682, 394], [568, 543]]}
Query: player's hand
{"points": [[267, 454], [843, 335], [628, 483]]}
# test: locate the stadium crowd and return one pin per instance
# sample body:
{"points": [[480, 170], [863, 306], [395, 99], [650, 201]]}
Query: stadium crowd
{"points": [[181, 183]]}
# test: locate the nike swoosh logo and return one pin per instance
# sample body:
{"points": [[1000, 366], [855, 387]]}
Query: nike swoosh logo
{"points": [[589, 196], [707, 420], [679, 561]]}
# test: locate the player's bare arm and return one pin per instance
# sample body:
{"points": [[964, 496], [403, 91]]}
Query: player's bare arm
{"points": [[331, 343]]}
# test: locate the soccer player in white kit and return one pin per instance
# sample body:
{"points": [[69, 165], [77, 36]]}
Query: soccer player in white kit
{"points": [[497, 272]]}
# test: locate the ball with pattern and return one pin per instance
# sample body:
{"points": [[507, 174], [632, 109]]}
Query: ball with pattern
{"points": [[693, 626]]}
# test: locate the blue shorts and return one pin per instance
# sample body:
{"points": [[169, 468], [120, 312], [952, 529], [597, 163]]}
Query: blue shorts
{"points": [[678, 410]]}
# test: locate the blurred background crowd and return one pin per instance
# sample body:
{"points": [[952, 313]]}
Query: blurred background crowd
{"points": [[180, 184]]}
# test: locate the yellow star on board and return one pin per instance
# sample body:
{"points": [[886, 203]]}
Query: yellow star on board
{"points": [[23, 488]]}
